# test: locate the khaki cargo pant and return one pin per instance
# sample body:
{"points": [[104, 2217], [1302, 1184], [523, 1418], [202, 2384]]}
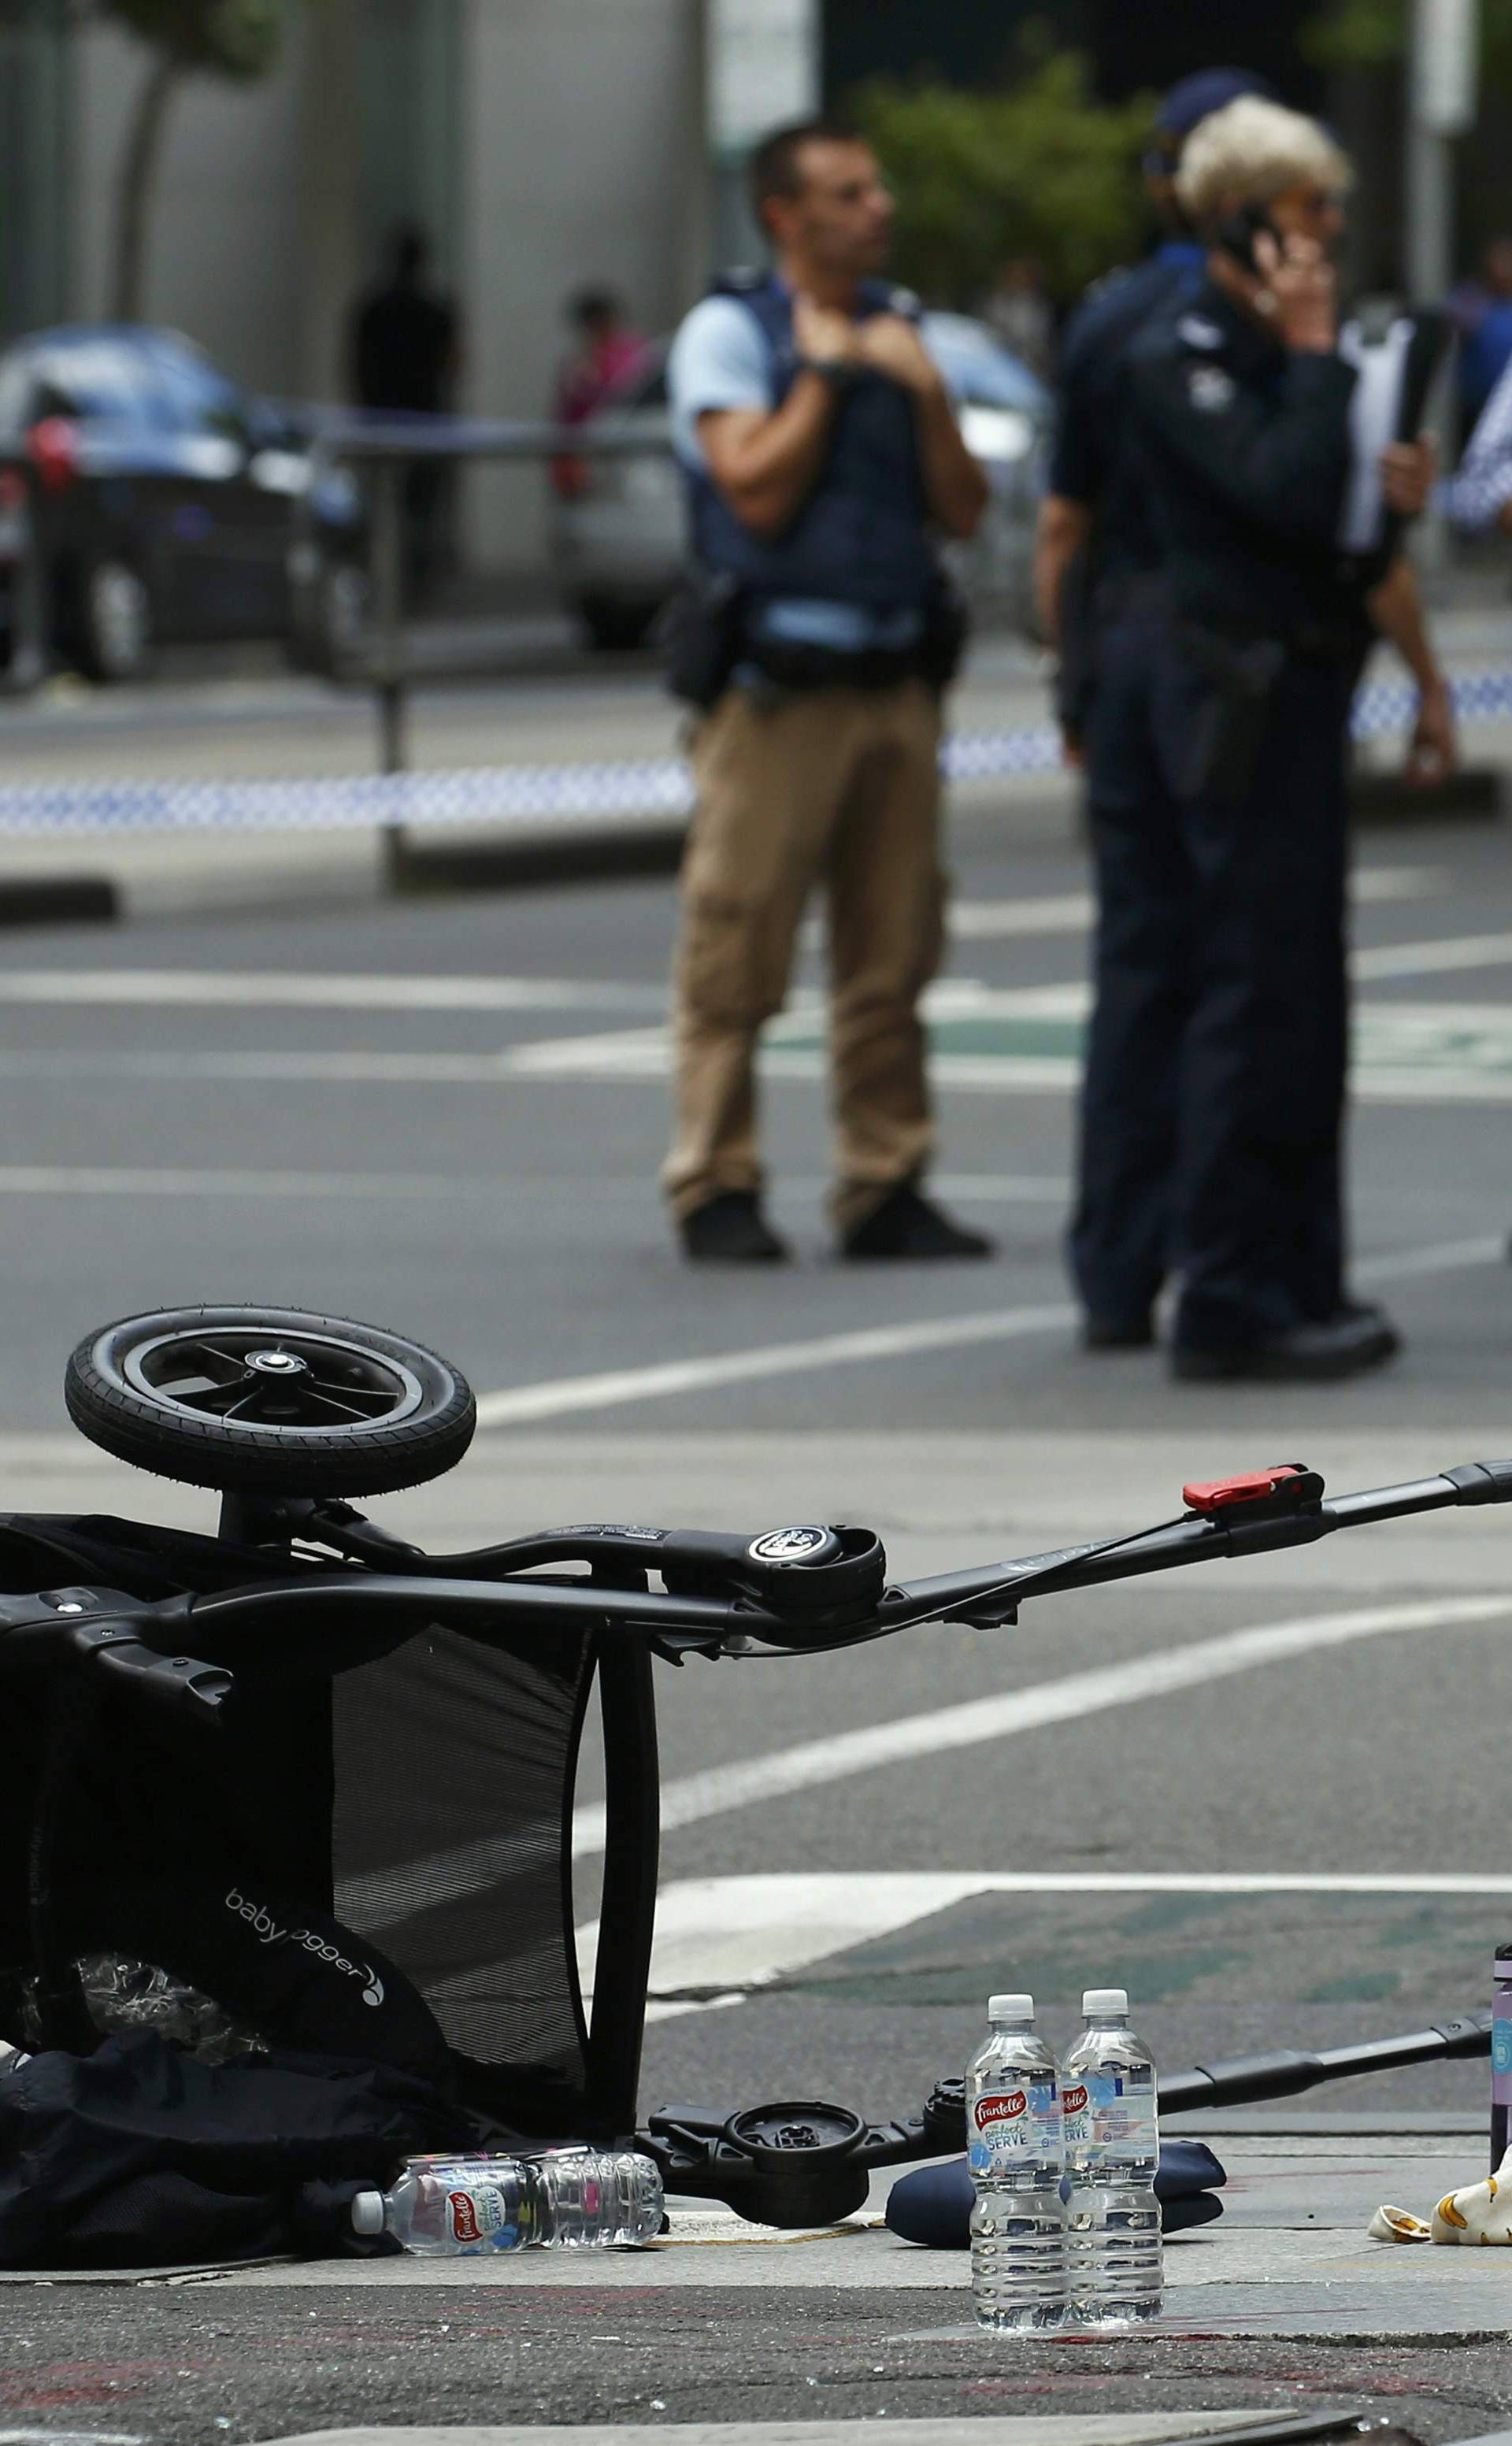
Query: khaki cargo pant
{"points": [[838, 785]]}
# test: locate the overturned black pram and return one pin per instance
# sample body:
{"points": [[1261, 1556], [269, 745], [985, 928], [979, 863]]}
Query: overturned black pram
{"points": [[327, 1780]]}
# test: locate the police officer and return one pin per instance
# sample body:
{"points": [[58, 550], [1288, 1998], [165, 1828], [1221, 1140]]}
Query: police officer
{"points": [[1100, 598], [822, 457], [1231, 935], [1093, 538]]}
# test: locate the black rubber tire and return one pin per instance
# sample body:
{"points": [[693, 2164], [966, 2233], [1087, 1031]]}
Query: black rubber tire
{"points": [[112, 1401], [112, 643]]}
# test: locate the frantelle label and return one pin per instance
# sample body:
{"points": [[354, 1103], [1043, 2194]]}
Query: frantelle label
{"points": [[998, 2108], [476, 2215], [1023, 2121]]}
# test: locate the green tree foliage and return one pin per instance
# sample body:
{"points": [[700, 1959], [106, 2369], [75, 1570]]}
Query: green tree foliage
{"points": [[233, 38], [1038, 168], [1374, 34], [238, 39]]}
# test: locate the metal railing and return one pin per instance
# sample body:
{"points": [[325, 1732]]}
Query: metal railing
{"points": [[26, 665], [385, 452]]}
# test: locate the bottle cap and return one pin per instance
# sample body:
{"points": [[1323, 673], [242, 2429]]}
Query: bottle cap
{"points": [[1011, 2008], [367, 2212], [1105, 1999]]}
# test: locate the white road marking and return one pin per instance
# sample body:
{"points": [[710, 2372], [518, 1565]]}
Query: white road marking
{"points": [[719, 1938], [522, 1404], [1449, 1257], [61, 1180], [1072, 912], [559, 1397], [1434, 958], [1004, 1715], [65, 1180], [371, 1902], [276, 989], [70, 2438]]}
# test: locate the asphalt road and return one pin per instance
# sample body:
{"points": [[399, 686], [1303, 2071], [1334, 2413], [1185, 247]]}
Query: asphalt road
{"points": [[319, 1111]]}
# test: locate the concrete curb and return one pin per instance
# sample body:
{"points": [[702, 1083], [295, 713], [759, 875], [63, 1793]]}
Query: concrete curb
{"points": [[59, 900]]}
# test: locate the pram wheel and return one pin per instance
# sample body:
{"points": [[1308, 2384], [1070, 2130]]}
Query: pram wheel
{"points": [[256, 1401]]}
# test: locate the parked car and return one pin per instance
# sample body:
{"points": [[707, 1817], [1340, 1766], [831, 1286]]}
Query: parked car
{"points": [[619, 537], [170, 504]]}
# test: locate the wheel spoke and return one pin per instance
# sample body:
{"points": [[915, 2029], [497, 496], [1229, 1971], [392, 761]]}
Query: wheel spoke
{"points": [[312, 1394], [380, 1399], [227, 1358], [204, 1395]]}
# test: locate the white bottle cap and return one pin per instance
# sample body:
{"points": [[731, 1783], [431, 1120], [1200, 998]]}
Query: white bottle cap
{"points": [[367, 2212], [1105, 1999], [1011, 2008]]}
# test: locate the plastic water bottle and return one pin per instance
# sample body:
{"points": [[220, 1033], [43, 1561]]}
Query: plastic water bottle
{"points": [[461, 2207], [1112, 2148], [1501, 2055], [1017, 2158]]}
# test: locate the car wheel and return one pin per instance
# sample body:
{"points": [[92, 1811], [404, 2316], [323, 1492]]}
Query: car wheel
{"points": [[330, 619], [615, 627], [269, 1402], [114, 622]]}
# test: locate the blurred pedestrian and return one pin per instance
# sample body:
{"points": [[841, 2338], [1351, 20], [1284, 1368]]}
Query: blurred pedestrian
{"points": [[606, 353], [822, 457], [1021, 314], [1222, 834], [1481, 309], [406, 335], [406, 358]]}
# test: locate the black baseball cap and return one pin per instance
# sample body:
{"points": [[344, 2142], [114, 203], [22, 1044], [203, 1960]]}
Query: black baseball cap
{"points": [[1196, 98]]}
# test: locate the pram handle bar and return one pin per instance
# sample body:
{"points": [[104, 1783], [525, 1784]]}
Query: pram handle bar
{"points": [[987, 1597], [1222, 1534]]}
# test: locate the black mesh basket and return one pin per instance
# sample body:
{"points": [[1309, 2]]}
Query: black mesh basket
{"points": [[371, 1856]]}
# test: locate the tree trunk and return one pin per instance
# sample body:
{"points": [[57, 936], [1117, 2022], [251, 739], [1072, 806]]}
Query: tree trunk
{"points": [[139, 164]]}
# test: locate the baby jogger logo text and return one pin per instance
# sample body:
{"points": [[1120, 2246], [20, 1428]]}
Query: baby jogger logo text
{"points": [[267, 1933]]}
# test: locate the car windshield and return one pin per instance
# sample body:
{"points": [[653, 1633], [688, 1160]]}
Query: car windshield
{"points": [[149, 380], [99, 377]]}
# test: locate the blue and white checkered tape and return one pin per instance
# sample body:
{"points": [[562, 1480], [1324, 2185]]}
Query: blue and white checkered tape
{"points": [[537, 796]]}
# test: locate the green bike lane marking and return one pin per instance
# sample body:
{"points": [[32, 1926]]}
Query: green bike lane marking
{"points": [[1033, 1040]]}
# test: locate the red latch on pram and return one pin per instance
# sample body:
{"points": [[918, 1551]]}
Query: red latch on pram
{"points": [[1249, 1486]]}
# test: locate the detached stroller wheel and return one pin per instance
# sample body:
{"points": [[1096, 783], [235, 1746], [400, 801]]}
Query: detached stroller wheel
{"points": [[257, 1400], [805, 2166]]}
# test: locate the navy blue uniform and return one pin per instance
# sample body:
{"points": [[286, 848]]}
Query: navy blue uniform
{"points": [[1215, 1085], [1086, 465]]}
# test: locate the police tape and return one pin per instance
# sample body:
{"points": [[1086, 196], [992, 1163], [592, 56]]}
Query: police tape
{"points": [[538, 796]]}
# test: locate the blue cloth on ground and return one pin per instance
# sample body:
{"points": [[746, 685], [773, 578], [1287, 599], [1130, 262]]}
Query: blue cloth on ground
{"points": [[934, 2205]]}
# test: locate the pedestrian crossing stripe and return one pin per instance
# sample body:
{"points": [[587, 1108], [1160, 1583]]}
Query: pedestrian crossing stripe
{"points": [[1033, 1042]]}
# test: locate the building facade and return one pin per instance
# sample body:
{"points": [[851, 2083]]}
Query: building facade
{"points": [[542, 144]]}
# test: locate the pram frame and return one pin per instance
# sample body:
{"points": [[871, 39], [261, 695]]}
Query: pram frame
{"points": [[794, 2161]]}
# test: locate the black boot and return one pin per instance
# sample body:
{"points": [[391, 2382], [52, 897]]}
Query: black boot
{"points": [[907, 1225], [730, 1230], [1356, 1338]]}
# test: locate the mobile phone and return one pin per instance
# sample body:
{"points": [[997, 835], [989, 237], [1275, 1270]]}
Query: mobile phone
{"points": [[1236, 236]]}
